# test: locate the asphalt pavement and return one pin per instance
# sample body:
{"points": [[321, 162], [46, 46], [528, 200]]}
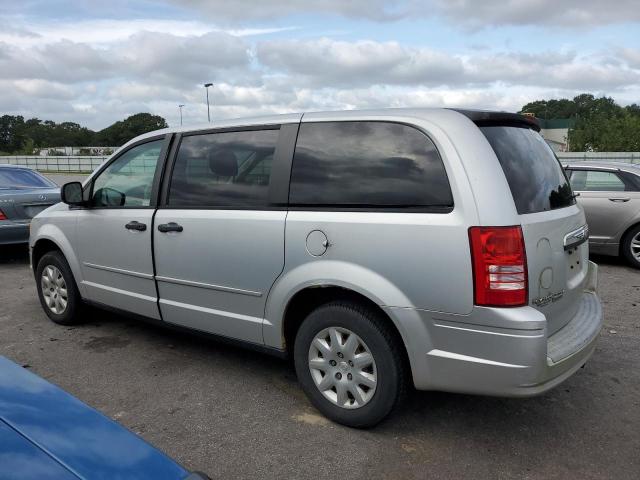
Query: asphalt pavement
{"points": [[234, 413]]}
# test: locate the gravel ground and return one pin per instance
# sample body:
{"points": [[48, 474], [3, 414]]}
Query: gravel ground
{"points": [[238, 414]]}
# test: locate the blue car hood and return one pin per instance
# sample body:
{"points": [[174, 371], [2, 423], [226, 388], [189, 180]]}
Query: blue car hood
{"points": [[45, 433]]}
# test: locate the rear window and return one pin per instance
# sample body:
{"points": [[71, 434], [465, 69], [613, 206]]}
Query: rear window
{"points": [[19, 178], [367, 165], [536, 178]]}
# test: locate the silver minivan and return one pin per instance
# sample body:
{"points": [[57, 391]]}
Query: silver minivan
{"points": [[380, 249]]}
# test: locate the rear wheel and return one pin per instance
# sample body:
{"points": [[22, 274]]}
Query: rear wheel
{"points": [[57, 289], [350, 364], [631, 246]]}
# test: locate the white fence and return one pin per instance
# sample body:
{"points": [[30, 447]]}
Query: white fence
{"points": [[88, 164], [57, 164], [626, 157]]}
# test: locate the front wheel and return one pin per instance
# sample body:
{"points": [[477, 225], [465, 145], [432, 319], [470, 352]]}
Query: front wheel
{"points": [[350, 364], [57, 289], [631, 246]]}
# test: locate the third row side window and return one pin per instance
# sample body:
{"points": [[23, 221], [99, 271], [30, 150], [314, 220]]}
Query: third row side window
{"points": [[367, 165]]}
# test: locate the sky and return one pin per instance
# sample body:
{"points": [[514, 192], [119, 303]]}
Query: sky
{"points": [[96, 62]]}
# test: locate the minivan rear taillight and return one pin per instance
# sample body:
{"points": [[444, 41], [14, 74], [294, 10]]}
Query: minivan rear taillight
{"points": [[2, 215], [499, 266]]}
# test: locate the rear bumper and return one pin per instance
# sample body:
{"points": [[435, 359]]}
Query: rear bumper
{"points": [[463, 354], [14, 232]]}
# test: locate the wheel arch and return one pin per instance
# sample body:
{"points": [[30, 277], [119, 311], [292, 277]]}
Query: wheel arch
{"points": [[623, 237], [307, 299], [321, 279], [51, 238], [42, 246]]}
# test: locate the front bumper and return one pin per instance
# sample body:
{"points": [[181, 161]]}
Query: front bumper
{"points": [[462, 354], [14, 232]]}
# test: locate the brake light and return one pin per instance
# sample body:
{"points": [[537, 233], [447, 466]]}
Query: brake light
{"points": [[499, 266], [2, 215]]}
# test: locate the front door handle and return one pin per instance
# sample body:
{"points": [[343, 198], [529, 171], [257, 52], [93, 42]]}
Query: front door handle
{"points": [[140, 227], [619, 199], [170, 227]]}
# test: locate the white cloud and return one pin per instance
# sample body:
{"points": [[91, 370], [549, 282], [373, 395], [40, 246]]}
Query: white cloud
{"points": [[247, 10], [37, 88], [327, 62], [474, 13], [149, 55], [566, 13], [180, 60], [338, 63], [631, 56], [18, 30]]}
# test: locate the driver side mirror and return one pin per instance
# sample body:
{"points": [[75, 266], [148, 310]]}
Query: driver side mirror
{"points": [[108, 197], [71, 194]]}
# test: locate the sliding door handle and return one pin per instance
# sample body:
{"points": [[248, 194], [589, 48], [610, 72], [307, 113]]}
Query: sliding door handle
{"points": [[619, 199], [137, 226], [169, 227]]}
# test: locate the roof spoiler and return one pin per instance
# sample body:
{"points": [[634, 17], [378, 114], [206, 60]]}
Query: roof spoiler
{"points": [[484, 118]]}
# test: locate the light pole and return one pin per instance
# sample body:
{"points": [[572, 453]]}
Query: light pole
{"points": [[180, 107], [206, 87]]}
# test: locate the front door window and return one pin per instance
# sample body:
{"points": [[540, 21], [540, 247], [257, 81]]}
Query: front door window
{"points": [[128, 181]]}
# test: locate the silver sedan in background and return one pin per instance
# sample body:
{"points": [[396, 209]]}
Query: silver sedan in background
{"points": [[610, 195], [23, 194]]}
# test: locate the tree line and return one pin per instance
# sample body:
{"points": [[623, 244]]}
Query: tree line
{"points": [[600, 124], [22, 137]]}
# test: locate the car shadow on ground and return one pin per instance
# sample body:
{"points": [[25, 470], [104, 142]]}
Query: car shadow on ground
{"points": [[607, 260], [14, 254]]}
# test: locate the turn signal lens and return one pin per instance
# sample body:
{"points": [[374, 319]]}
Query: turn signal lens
{"points": [[499, 266]]}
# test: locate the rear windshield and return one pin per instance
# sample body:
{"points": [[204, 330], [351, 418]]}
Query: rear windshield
{"points": [[18, 178], [536, 178]]}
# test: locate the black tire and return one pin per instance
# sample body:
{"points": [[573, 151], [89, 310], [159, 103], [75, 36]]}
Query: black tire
{"points": [[387, 351], [71, 314], [627, 251]]}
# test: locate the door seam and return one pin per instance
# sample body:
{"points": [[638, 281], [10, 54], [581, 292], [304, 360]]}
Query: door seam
{"points": [[153, 261]]}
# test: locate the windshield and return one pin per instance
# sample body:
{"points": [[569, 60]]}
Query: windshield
{"points": [[536, 178], [19, 178]]}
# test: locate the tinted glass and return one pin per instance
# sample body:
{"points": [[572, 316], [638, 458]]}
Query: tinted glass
{"points": [[19, 178], [536, 178], [127, 182], [596, 181], [367, 164], [230, 169]]}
